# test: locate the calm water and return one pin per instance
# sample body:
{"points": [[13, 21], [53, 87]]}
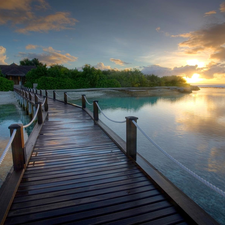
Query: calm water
{"points": [[10, 113], [190, 127]]}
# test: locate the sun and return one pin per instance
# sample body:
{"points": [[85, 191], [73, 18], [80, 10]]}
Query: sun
{"points": [[194, 79], [193, 62]]}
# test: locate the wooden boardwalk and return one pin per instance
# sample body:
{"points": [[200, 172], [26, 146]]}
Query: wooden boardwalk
{"points": [[77, 175]]}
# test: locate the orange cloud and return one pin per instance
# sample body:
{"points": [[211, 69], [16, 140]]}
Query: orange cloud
{"points": [[118, 61], [158, 29], [57, 21], [222, 7], [31, 46], [210, 13], [101, 66], [2, 55], [22, 13], [50, 56], [15, 5]]}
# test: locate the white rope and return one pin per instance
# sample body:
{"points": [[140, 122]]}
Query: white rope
{"points": [[43, 102], [72, 97], [87, 101], [38, 97], [57, 94], [213, 187], [8, 145], [25, 126], [108, 117]]}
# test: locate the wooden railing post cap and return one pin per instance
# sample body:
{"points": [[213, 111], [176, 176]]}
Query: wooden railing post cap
{"points": [[131, 118], [95, 101], [15, 126], [83, 95]]}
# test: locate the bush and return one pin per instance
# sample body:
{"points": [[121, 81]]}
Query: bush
{"points": [[5, 84], [55, 83]]}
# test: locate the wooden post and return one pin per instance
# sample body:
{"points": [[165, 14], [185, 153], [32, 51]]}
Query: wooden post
{"points": [[35, 99], [53, 95], [95, 110], [27, 106], [83, 102], [65, 98], [36, 91], [17, 146], [46, 103], [30, 97], [40, 93], [131, 137], [39, 115], [32, 111], [46, 93]]}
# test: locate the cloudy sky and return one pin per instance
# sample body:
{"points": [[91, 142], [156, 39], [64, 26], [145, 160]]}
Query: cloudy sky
{"points": [[161, 37]]}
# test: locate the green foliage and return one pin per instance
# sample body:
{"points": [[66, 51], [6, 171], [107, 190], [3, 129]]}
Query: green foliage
{"points": [[173, 81], [55, 83], [33, 62], [60, 77], [1, 74], [5, 84], [33, 75], [58, 71]]}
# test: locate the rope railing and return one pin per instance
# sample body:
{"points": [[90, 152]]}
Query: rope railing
{"points": [[208, 184], [87, 101], [8, 146], [72, 97], [38, 97], [44, 102], [25, 126], [57, 94], [107, 116]]}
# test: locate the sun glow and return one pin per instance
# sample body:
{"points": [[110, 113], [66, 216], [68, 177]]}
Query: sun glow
{"points": [[193, 62], [194, 79]]}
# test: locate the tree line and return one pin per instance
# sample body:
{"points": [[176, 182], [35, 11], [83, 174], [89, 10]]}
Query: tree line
{"points": [[60, 77]]}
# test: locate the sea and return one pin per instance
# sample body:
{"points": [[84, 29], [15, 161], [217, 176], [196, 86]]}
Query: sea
{"points": [[189, 127]]}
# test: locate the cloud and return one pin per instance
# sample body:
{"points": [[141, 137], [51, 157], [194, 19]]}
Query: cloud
{"points": [[23, 18], [213, 69], [222, 7], [58, 21], [2, 55], [31, 46], [50, 56], [158, 29], [15, 5], [101, 66], [118, 62], [212, 37], [157, 70], [219, 54], [187, 70], [210, 13]]}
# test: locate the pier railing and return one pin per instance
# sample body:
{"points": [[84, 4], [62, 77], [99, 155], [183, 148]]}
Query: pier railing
{"points": [[130, 146], [28, 102]]}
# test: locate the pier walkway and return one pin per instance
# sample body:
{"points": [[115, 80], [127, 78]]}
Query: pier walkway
{"points": [[78, 175]]}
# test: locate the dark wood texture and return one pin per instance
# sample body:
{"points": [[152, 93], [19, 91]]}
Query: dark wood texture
{"points": [[77, 175]]}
